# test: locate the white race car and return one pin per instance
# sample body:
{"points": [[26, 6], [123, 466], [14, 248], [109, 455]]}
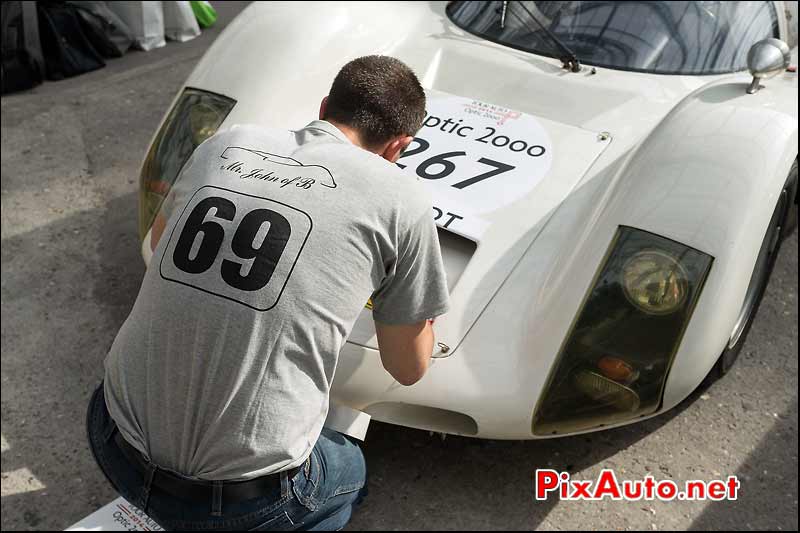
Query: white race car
{"points": [[610, 183]]}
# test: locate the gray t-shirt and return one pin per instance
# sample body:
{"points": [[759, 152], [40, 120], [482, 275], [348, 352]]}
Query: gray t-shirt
{"points": [[274, 241]]}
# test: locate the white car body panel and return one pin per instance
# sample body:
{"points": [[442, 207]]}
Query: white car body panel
{"points": [[515, 301]]}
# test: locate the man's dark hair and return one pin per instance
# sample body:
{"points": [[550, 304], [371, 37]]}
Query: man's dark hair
{"points": [[378, 96]]}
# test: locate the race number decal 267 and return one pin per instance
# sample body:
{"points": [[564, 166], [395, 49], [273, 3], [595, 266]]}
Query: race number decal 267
{"points": [[236, 246]]}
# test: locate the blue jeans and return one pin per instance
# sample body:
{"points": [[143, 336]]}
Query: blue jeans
{"points": [[321, 496]]}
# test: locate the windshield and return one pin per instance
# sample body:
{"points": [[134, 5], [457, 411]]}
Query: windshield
{"points": [[656, 37]]}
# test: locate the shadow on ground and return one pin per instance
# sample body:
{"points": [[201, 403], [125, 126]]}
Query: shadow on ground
{"points": [[464, 478], [77, 279], [761, 504]]}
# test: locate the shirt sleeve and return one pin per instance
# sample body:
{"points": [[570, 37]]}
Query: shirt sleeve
{"points": [[415, 287]]}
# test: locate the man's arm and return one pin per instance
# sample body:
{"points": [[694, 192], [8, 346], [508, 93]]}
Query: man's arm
{"points": [[412, 293], [405, 349]]}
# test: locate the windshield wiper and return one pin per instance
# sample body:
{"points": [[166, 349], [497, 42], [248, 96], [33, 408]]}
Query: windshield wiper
{"points": [[568, 58]]}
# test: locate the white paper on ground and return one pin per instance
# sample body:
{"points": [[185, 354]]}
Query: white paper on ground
{"points": [[348, 421], [118, 515]]}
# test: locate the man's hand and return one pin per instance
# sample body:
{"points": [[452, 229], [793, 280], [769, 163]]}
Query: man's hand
{"points": [[405, 349]]}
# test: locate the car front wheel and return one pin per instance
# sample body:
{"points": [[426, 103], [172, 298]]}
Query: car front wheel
{"points": [[779, 227]]}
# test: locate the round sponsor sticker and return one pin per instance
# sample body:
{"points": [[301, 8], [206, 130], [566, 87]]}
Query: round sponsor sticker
{"points": [[476, 157]]}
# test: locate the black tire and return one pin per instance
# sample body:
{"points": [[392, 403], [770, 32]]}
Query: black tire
{"points": [[765, 263], [791, 218]]}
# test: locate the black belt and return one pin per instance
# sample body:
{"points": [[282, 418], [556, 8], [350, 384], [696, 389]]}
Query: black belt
{"points": [[215, 492]]}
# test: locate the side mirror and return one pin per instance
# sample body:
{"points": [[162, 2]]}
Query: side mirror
{"points": [[767, 58]]}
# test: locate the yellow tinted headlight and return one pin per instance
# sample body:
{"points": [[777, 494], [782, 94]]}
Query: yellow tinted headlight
{"points": [[655, 282], [614, 363], [195, 117], [204, 120]]}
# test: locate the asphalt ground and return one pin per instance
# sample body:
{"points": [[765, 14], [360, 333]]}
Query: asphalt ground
{"points": [[71, 270]]}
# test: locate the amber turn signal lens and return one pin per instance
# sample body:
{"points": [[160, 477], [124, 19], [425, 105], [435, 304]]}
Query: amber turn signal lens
{"points": [[616, 369]]}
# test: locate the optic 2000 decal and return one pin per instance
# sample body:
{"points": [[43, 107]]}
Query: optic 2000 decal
{"points": [[476, 158]]}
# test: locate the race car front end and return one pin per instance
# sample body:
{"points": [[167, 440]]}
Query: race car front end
{"points": [[581, 336], [595, 257]]}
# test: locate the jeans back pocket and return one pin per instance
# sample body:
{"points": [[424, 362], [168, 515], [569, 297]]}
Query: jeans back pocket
{"points": [[305, 484]]}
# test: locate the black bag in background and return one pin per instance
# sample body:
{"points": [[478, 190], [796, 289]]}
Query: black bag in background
{"points": [[105, 30], [23, 62], [67, 51]]}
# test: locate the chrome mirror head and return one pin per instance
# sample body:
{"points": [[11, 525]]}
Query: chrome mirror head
{"points": [[767, 58]]}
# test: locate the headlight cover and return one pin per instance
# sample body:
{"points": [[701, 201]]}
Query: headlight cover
{"points": [[194, 118], [615, 361], [655, 282]]}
